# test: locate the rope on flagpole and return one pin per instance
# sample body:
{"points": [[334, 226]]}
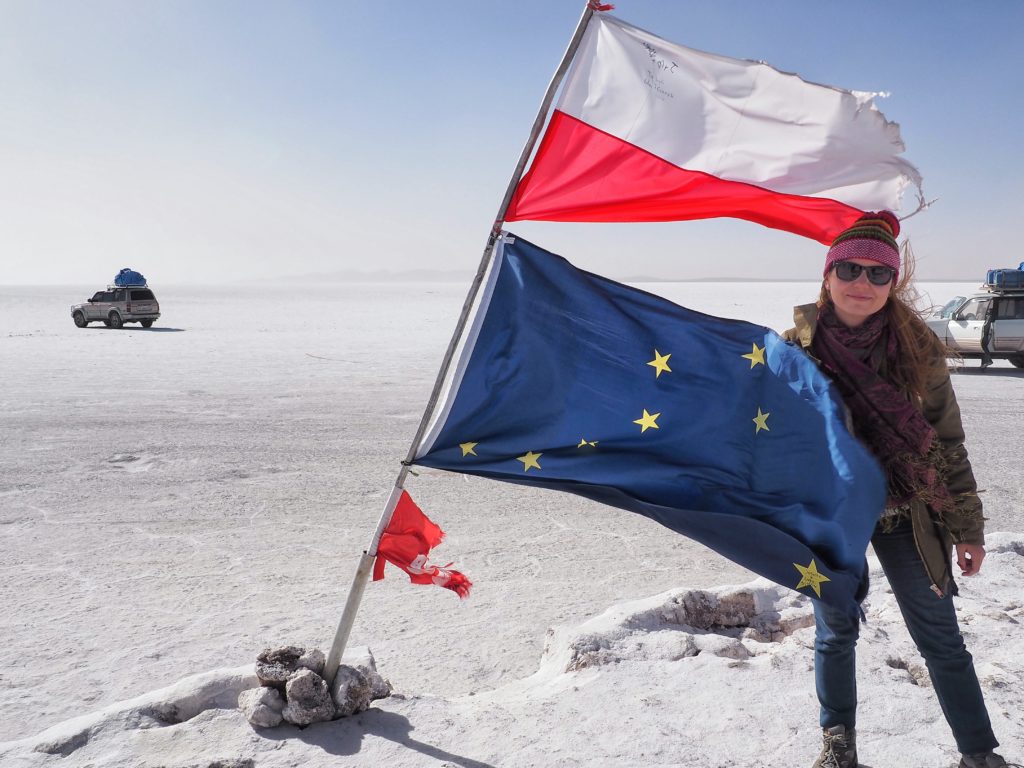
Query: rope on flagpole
{"points": [[922, 205], [365, 566]]}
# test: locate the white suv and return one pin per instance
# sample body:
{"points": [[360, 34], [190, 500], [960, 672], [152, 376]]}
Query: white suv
{"points": [[961, 322], [118, 305]]}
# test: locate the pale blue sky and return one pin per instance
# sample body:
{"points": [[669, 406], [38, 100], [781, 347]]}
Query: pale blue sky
{"points": [[206, 139]]}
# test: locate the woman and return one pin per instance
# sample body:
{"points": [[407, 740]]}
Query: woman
{"points": [[891, 371]]}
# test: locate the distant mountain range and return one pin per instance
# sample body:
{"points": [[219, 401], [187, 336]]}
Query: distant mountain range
{"points": [[379, 276], [465, 276]]}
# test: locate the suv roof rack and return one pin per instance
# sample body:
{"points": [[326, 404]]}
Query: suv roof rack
{"points": [[994, 289]]}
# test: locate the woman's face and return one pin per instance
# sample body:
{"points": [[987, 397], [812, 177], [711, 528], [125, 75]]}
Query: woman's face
{"points": [[856, 300]]}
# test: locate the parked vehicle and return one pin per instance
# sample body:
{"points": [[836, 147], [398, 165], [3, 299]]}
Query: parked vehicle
{"points": [[961, 323], [118, 305]]}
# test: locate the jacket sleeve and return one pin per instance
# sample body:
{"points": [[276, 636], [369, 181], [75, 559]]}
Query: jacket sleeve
{"points": [[965, 522]]}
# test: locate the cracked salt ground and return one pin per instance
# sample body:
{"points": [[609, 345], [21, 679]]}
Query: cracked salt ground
{"points": [[117, 583], [127, 462], [723, 671]]}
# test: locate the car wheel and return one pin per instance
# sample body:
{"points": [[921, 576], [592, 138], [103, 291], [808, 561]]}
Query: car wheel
{"points": [[1016, 360], [80, 320], [146, 323], [114, 320]]}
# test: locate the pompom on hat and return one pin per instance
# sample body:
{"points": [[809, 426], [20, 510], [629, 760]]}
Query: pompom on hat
{"points": [[872, 236]]}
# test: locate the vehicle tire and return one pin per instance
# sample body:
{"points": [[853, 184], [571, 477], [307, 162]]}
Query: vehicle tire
{"points": [[80, 320], [114, 320], [1016, 360], [146, 323]]}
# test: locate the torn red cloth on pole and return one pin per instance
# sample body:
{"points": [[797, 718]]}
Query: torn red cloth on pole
{"points": [[406, 543]]}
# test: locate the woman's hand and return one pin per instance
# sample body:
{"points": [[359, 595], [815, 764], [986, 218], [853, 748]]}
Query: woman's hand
{"points": [[969, 558]]}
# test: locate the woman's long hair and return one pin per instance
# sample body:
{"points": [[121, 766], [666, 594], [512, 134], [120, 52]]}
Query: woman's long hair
{"points": [[922, 356]]}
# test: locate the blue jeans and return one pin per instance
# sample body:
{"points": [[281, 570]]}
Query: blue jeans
{"points": [[933, 627]]}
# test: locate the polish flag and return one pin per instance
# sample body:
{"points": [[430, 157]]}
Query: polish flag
{"points": [[406, 543], [647, 130]]}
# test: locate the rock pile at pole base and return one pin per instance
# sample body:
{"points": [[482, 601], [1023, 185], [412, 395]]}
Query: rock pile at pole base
{"points": [[292, 689]]}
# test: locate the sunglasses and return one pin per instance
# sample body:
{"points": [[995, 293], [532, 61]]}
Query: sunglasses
{"points": [[849, 271]]}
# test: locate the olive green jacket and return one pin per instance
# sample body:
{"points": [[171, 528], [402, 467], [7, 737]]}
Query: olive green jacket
{"points": [[934, 535]]}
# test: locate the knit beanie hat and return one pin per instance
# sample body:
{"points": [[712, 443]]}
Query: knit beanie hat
{"points": [[872, 236]]}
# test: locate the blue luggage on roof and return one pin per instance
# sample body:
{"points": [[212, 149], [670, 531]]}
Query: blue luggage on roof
{"points": [[128, 276], [1005, 279]]}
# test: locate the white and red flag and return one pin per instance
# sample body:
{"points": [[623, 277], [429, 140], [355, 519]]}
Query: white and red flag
{"points": [[648, 130], [406, 543]]}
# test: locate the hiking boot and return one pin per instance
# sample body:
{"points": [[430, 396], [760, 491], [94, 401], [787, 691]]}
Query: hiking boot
{"points": [[985, 760], [840, 749]]}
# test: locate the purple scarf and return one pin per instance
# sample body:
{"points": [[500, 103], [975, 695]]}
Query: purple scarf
{"points": [[897, 433]]}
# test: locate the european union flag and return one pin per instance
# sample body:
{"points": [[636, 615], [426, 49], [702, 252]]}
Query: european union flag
{"points": [[715, 428]]}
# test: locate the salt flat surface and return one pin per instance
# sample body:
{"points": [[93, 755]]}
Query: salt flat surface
{"points": [[174, 500]]}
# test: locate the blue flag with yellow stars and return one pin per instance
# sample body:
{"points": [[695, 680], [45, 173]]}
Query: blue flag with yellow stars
{"points": [[715, 428]]}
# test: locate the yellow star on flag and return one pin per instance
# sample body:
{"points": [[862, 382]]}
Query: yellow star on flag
{"points": [[755, 356], [584, 441], [647, 421], [811, 577], [761, 420], [467, 448], [660, 363], [530, 460]]}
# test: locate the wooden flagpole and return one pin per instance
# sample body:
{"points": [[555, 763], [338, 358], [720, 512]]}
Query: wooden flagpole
{"points": [[365, 565]]}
